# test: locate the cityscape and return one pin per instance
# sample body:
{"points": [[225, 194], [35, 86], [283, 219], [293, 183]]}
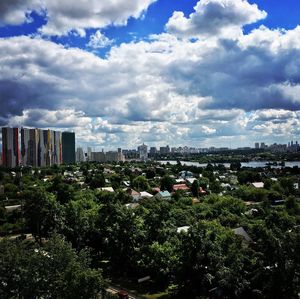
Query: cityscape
{"points": [[149, 149], [40, 147]]}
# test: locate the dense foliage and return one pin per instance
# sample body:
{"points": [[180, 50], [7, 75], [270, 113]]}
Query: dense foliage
{"points": [[186, 246]]}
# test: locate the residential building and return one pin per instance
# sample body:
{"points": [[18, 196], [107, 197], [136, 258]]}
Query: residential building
{"points": [[164, 150], [163, 195], [97, 156], [10, 147], [153, 151], [143, 152], [40, 147], [89, 153], [79, 155], [68, 147]]}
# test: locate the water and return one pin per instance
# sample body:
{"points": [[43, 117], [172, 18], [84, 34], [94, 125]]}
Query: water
{"points": [[252, 164]]}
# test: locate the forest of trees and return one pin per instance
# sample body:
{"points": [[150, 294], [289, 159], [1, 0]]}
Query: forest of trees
{"points": [[83, 238]]}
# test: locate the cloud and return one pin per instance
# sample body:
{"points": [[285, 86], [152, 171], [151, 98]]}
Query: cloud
{"points": [[15, 12], [99, 40], [163, 90], [65, 118], [65, 16], [214, 17]]}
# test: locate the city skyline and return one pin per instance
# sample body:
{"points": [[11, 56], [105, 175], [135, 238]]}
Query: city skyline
{"points": [[36, 147], [222, 73]]}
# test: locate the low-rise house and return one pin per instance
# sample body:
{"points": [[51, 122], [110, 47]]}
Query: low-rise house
{"points": [[195, 200], [163, 195], [182, 187], [239, 231], [145, 194], [201, 191], [258, 184], [179, 181], [155, 190], [183, 229], [13, 208], [191, 180], [185, 174], [134, 194]]}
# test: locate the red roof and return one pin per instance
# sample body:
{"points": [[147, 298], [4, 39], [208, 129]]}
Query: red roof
{"points": [[156, 190], [180, 187], [202, 191]]}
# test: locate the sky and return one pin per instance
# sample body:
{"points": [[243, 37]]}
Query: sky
{"points": [[118, 73]]}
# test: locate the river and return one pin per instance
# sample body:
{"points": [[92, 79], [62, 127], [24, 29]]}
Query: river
{"points": [[252, 164]]}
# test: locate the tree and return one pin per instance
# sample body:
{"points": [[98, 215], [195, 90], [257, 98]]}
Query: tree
{"points": [[166, 183], [195, 188], [211, 256], [203, 182], [235, 165], [215, 187], [141, 183], [80, 220], [115, 180], [98, 181], [150, 173], [51, 271], [64, 193], [43, 214]]}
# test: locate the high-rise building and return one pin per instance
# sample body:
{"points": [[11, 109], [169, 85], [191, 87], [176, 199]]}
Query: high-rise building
{"points": [[143, 152], [256, 145], [40, 147], [79, 155], [164, 150], [68, 147], [10, 147], [89, 153], [152, 151]]}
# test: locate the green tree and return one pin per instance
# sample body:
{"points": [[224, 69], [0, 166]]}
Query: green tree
{"points": [[140, 183], [52, 271], [167, 183], [235, 165], [195, 188], [80, 220], [211, 256], [98, 181], [43, 214]]}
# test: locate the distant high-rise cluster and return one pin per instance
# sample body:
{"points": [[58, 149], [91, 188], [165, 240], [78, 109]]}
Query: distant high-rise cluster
{"points": [[36, 147], [10, 147]]}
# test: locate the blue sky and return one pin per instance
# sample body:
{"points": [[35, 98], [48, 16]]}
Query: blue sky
{"points": [[201, 73]]}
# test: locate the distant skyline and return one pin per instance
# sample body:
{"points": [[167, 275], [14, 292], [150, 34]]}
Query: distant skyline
{"points": [[223, 73]]}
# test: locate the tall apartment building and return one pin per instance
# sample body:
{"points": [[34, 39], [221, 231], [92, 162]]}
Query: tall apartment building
{"points": [[10, 147], [143, 152], [89, 154], [40, 147], [68, 147], [153, 151], [164, 150], [79, 154]]}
